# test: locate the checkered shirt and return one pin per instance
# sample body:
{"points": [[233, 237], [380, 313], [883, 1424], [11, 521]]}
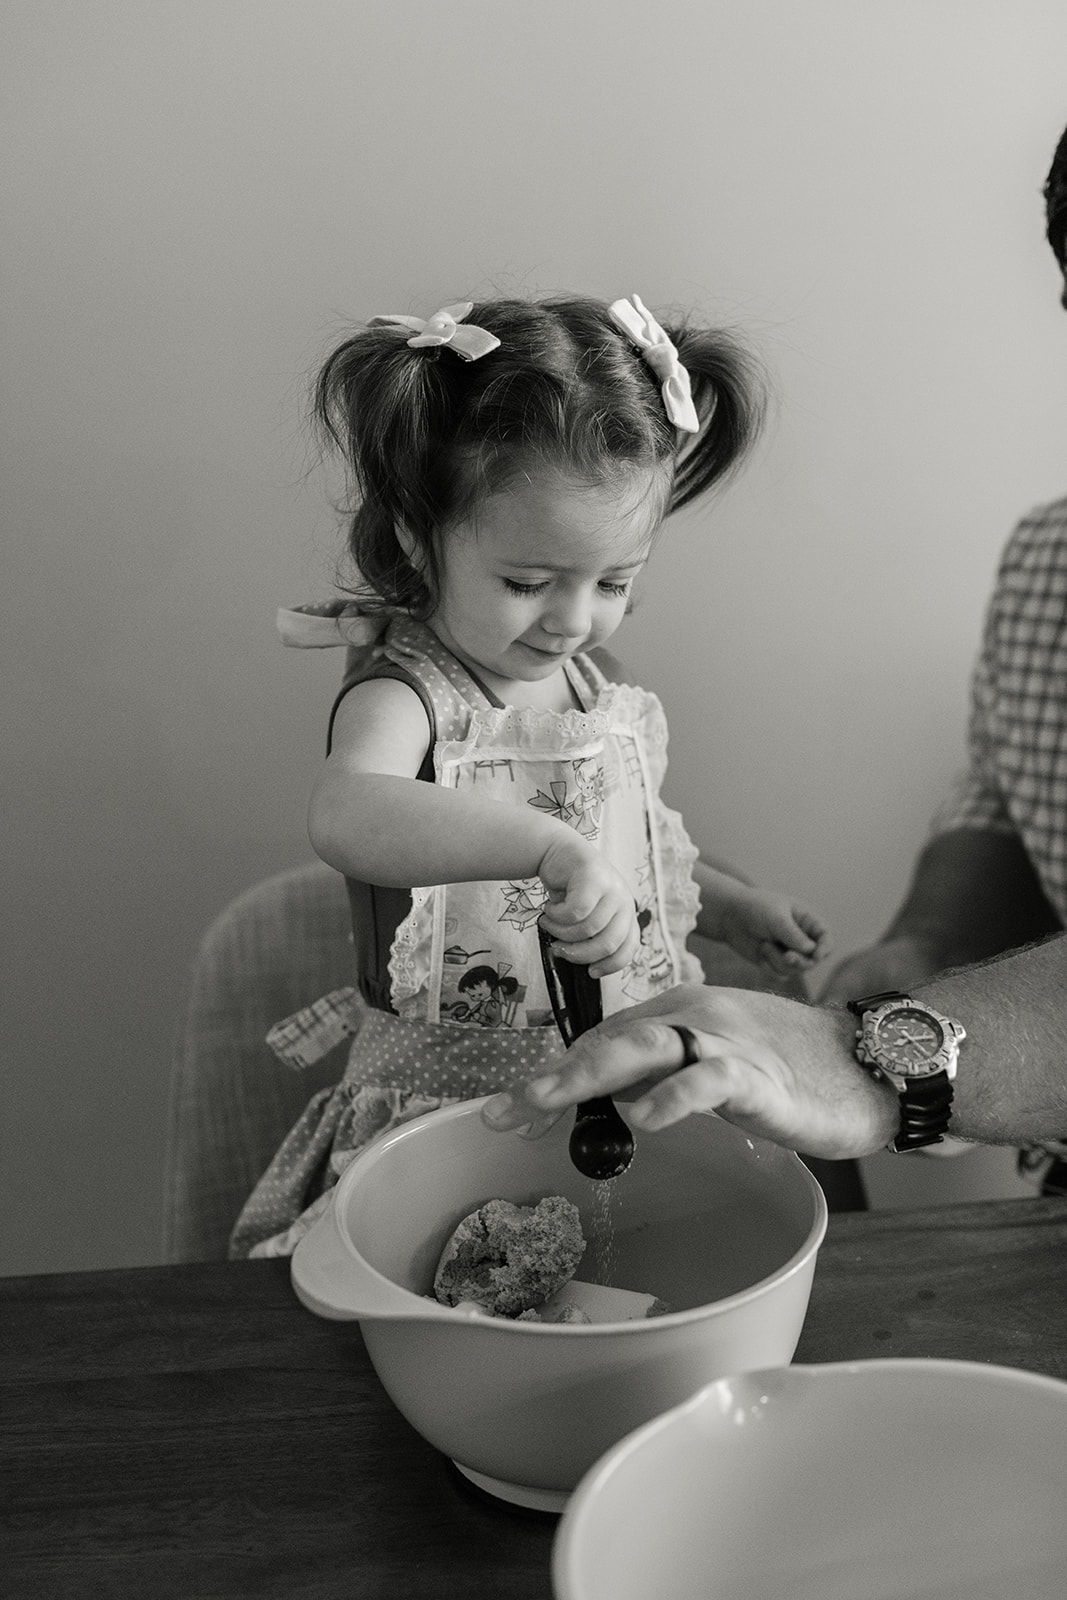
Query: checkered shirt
{"points": [[1016, 781]]}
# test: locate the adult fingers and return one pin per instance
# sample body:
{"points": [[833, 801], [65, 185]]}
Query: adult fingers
{"points": [[598, 1063], [626, 1052], [539, 1126], [700, 1087], [613, 1057]]}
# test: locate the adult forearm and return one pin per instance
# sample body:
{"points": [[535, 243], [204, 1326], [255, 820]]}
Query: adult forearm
{"points": [[974, 894], [1011, 1085], [403, 834]]}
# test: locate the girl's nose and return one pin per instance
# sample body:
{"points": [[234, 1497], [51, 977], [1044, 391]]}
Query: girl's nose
{"points": [[569, 614]]}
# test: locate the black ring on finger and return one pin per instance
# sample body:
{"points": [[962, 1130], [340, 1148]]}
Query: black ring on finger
{"points": [[690, 1049]]}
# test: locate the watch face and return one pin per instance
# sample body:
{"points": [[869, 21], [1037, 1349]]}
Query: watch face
{"points": [[908, 1040]]}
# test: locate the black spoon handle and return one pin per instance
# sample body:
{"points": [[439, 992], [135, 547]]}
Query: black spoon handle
{"points": [[575, 996], [601, 1144]]}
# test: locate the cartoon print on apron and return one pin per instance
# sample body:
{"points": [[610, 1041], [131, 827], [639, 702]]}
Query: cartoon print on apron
{"points": [[473, 946]]}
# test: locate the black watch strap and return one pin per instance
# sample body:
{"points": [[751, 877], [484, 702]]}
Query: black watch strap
{"points": [[925, 1110], [925, 1103], [871, 1002]]}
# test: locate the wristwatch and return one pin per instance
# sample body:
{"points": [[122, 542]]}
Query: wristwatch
{"points": [[914, 1048]]}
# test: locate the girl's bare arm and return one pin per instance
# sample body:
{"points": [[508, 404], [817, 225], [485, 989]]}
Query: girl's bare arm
{"points": [[372, 821]]}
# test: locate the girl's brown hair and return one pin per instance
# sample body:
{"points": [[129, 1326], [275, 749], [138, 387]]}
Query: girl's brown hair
{"points": [[428, 436]]}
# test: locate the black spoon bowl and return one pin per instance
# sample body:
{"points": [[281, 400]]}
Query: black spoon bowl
{"points": [[601, 1145]]}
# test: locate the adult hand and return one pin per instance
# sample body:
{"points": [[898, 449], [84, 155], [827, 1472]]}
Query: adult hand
{"points": [[778, 1068], [897, 963]]}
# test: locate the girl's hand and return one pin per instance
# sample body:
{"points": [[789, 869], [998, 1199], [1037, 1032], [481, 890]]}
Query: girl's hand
{"points": [[774, 929], [590, 913]]}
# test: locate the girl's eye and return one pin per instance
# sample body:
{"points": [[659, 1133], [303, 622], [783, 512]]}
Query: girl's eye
{"points": [[524, 588], [605, 586]]}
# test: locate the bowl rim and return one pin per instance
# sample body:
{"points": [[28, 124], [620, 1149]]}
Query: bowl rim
{"points": [[422, 1305], [595, 1482]]}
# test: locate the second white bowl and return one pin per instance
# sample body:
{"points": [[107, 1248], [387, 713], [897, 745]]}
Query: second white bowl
{"points": [[868, 1480]]}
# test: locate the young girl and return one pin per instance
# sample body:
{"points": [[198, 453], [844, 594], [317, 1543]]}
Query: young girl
{"points": [[512, 463]]}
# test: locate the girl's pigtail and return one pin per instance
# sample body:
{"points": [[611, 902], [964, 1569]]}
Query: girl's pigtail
{"points": [[729, 394], [380, 404]]}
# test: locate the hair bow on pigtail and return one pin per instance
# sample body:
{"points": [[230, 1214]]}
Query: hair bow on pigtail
{"points": [[445, 327], [637, 322]]}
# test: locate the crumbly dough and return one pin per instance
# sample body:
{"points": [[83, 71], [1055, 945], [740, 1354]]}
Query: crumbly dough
{"points": [[508, 1258]]}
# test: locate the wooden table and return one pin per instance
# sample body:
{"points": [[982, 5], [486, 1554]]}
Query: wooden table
{"points": [[193, 1432]]}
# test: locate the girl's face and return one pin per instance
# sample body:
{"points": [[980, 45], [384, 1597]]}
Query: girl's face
{"points": [[544, 569]]}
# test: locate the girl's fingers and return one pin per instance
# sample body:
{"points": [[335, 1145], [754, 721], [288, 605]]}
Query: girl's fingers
{"points": [[783, 963], [813, 928], [569, 918], [623, 936], [572, 926], [613, 946]]}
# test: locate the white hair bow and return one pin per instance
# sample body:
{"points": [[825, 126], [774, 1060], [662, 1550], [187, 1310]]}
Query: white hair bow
{"points": [[638, 323], [445, 327]]}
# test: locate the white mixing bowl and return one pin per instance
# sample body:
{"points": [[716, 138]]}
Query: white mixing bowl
{"points": [[723, 1228], [864, 1480]]}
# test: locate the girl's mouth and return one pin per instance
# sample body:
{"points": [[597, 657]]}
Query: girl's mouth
{"points": [[541, 650]]}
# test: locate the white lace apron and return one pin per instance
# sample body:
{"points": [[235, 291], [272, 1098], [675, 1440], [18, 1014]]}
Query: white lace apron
{"points": [[471, 1008]]}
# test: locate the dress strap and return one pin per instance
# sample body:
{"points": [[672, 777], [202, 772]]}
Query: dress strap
{"points": [[454, 692], [586, 679]]}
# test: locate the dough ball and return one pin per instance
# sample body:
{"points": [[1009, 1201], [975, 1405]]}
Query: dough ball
{"points": [[508, 1258]]}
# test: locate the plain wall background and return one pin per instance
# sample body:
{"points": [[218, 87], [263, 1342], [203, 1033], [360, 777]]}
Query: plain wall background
{"points": [[201, 194]]}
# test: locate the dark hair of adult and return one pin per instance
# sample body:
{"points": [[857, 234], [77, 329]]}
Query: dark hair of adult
{"points": [[427, 436], [1055, 192]]}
